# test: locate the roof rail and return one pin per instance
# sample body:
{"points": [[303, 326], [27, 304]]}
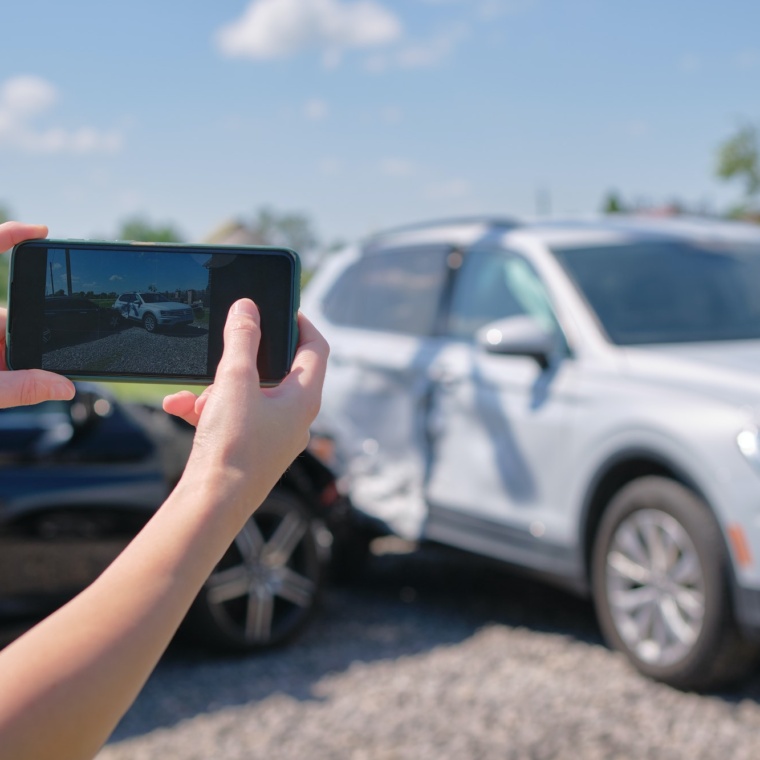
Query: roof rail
{"points": [[491, 221]]}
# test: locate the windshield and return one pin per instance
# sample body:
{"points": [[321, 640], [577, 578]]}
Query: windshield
{"points": [[669, 291], [154, 297]]}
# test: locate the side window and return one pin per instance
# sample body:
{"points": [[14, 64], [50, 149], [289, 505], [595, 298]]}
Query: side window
{"points": [[394, 291], [494, 285]]}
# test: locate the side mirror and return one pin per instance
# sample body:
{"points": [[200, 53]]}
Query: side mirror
{"points": [[518, 336]]}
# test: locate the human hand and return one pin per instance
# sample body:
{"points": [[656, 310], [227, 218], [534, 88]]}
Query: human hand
{"points": [[247, 435], [26, 386]]}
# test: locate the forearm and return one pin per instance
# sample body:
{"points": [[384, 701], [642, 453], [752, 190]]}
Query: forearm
{"points": [[78, 671]]}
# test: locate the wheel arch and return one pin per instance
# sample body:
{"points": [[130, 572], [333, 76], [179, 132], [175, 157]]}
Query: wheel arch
{"points": [[616, 472], [312, 481]]}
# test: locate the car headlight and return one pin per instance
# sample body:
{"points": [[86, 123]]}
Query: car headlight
{"points": [[748, 442]]}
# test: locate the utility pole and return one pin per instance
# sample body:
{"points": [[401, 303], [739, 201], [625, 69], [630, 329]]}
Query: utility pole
{"points": [[68, 271]]}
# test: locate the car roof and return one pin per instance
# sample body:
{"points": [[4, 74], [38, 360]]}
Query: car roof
{"points": [[456, 231], [563, 231]]}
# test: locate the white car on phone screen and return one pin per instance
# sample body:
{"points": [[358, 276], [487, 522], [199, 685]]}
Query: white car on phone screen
{"points": [[153, 310], [580, 399]]}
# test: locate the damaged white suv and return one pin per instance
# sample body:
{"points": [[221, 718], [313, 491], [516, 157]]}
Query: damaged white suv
{"points": [[580, 399]]}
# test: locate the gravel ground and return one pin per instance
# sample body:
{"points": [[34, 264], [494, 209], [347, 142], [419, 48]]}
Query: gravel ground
{"points": [[175, 350], [433, 655]]}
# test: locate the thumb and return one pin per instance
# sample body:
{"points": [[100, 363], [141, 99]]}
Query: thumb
{"points": [[242, 336]]}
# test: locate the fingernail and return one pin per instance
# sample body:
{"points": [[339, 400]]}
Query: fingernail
{"points": [[244, 306], [61, 391]]}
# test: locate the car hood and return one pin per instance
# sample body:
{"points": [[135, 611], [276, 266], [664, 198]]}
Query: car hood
{"points": [[727, 370]]}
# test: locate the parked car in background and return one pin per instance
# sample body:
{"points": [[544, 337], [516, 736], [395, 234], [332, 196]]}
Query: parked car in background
{"points": [[72, 317], [580, 399], [153, 310], [79, 479]]}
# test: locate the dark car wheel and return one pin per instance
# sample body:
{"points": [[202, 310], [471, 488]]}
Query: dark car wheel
{"points": [[267, 585], [660, 582], [149, 322], [114, 319]]}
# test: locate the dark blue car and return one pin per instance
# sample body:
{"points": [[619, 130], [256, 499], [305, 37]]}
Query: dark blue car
{"points": [[78, 480]]}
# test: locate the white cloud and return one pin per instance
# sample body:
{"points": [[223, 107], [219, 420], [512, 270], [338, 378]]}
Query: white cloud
{"points": [[281, 28], [25, 99], [329, 166], [425, 54], [316, 110], [489, 9], [689, 63], [747, 60], [492, 9], [396, 167], [452, 189], [637, 128], [391, 115]]}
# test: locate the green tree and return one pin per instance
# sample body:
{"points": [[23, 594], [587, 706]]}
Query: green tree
{"points": [[739, 159], [291, 230], [267, 227], [612, 204], [140, 229]]}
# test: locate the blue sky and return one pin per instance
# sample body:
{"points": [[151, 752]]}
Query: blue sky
{"points": [[101, 272], [365, 114]]}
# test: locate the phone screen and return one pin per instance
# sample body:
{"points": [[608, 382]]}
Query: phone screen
{"points": [[144, 311]]}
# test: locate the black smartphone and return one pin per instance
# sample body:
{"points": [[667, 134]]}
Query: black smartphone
{"points": [[145, 312]]}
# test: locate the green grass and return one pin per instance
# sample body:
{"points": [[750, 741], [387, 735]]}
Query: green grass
{"points": [[150, 392]]}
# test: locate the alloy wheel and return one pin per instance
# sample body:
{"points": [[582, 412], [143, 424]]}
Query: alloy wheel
{"points": [[267, 583], [655, 587]]}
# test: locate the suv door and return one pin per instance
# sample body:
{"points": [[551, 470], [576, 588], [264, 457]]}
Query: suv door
{"points": [[499, 423], [384, 312]]}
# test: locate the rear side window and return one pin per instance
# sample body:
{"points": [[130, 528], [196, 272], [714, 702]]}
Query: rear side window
{"points": [[394, 291]]}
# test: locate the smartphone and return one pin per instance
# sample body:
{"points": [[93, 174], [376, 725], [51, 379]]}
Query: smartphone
{"points": [[145, 312]]}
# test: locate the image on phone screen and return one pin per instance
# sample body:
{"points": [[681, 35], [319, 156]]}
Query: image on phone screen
{"points": [[117, 311], [139, 312]]}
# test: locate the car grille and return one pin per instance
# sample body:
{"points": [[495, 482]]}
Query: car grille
{"points": [[184, 313]]}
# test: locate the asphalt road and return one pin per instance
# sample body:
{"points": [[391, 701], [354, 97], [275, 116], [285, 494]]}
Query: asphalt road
{"points": [[433, 654]]}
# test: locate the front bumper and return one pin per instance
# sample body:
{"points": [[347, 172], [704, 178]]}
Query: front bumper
{"points": [[747, 610]]}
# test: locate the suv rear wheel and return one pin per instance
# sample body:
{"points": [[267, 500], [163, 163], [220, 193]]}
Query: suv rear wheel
{"points": [[661, 587], [267, 585]]}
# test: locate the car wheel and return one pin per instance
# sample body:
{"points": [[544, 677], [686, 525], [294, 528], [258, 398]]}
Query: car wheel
{"points": [[149, 322], [660, 583], [114, 319], [268, 583]]}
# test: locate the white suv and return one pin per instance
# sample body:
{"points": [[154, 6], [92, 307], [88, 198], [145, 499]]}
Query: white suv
{"points": [[579, 399], [153, 310]]}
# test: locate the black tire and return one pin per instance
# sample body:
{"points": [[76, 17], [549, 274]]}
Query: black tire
{"points": [[114, 319], [350, 556], [661, 590], [267, 585], [150, 322]]}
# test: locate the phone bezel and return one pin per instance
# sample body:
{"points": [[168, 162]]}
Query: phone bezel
{"points": [[25, 319]]}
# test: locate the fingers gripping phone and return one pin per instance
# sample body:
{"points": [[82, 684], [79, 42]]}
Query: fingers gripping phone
{"points": [[145, 312]]}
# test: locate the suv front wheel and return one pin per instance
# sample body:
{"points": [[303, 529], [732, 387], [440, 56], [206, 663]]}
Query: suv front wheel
{"points": [[661, 588], [149, 322]]}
